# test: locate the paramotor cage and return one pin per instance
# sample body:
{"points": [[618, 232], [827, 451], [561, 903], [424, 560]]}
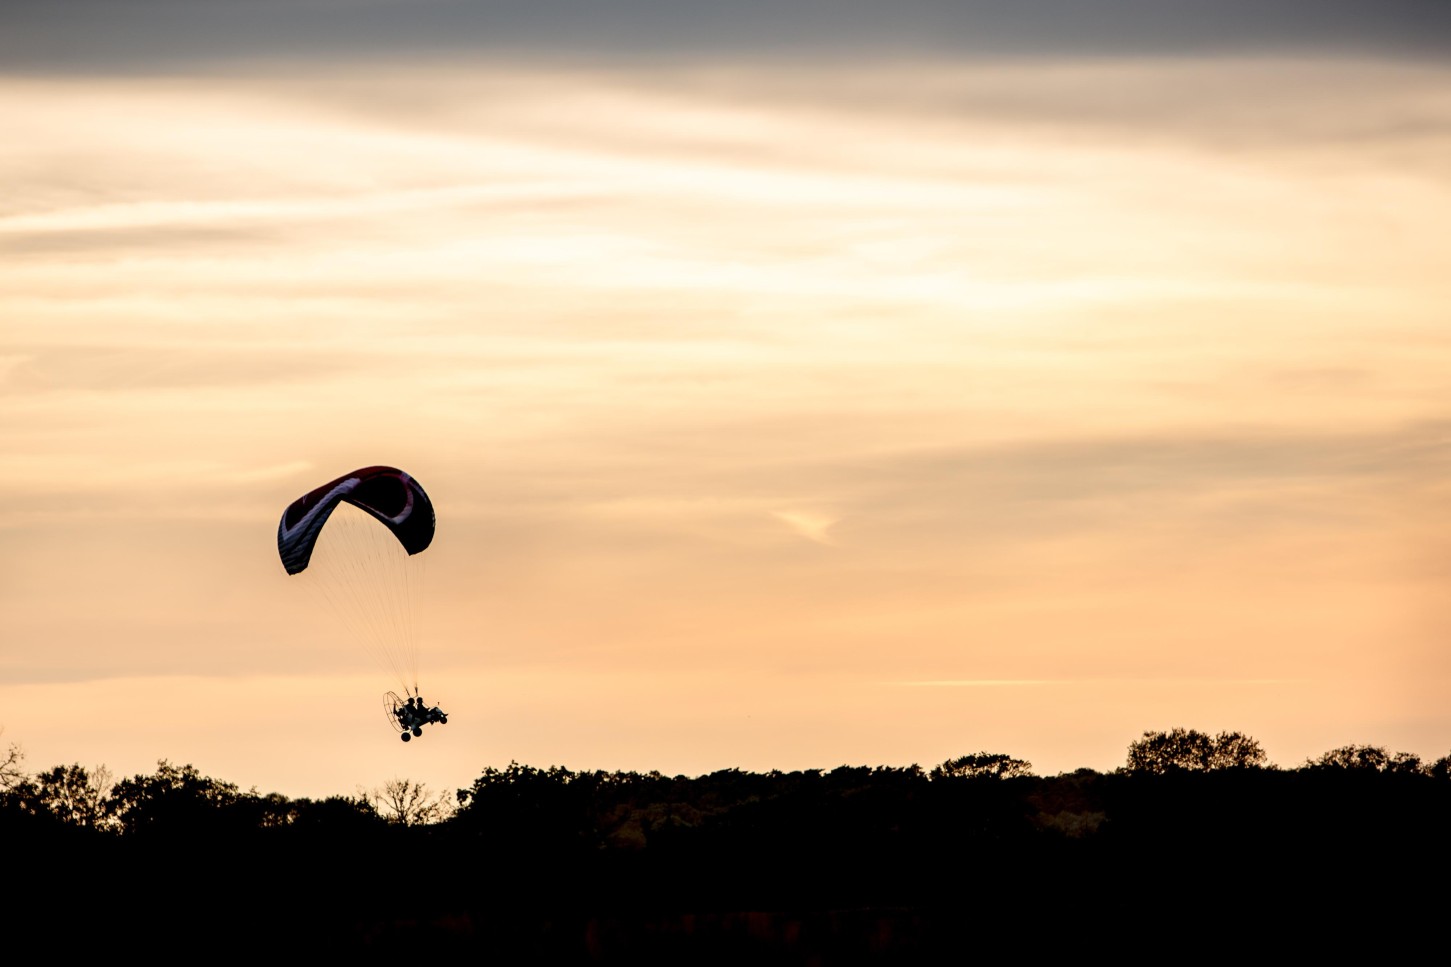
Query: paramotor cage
{"points": [[392, 705]]}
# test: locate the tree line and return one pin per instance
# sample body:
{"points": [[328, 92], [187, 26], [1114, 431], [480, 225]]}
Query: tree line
{"points": [[181, 797], [555, 865]]}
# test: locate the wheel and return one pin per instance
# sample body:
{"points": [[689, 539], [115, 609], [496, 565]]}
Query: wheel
{"points": [[443, 720], [405, 736], [416, 731]]}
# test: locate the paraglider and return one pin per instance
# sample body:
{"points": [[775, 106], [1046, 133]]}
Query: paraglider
{"points": [[368, 569]]}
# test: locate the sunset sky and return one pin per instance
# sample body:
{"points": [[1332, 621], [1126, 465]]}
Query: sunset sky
{"points": [[798, 384]]}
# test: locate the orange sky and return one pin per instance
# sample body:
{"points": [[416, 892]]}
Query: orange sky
{"points": [[775, 418]]}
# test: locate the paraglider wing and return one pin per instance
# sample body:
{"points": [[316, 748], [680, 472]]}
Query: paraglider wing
{"points": [[391, 496]]}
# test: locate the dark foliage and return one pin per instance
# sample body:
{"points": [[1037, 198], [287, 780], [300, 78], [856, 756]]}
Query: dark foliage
{"points": [[1372, 758], [1188, 750], [874, 864]]}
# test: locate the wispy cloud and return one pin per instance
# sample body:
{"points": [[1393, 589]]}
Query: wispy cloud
{"points": [[1100, 683], [812, 526]]}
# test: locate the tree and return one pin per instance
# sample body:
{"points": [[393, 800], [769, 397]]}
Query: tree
{"points": [[1369, 758], [12, 773], [73, 795], [409, 803], [173, 800], [1405, 763], [540, 810], [1235, 750], [343, 814], [1189, 750], [983, 765]]}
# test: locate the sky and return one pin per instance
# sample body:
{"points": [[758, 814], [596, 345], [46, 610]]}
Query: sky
{"points": [[796, 385]]}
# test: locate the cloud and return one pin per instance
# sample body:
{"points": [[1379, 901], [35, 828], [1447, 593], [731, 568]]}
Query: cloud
{"points": [[989, 683], [1096, 683], [808, 524], [138, 370]]}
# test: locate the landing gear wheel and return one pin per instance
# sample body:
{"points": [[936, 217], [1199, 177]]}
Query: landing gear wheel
{"points": [[443, 720], [405, 736], [416, 731]]}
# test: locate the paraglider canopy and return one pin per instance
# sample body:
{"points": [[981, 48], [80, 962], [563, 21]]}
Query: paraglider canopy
{"points": [[358, 538], [391, 496]]}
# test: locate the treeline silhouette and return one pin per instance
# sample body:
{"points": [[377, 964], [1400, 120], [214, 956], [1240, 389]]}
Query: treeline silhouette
{"points": [[1197, 839]]}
